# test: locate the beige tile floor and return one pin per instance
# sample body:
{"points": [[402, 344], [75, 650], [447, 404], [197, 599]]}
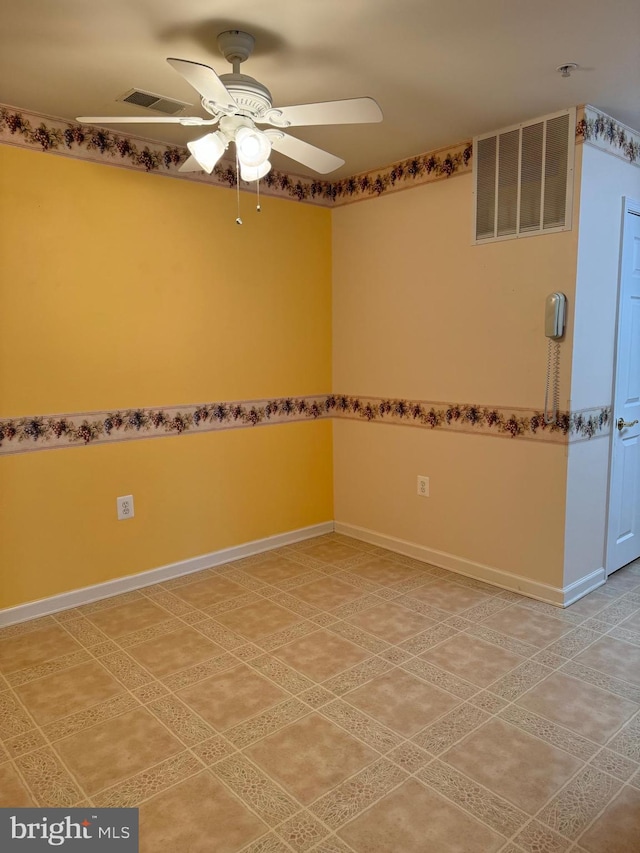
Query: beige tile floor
{"points": [[335, 697]]}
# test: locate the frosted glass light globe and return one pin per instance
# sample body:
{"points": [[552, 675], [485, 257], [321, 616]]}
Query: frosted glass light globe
{"points": [[253, 146], [254, 173], [208, 150]]}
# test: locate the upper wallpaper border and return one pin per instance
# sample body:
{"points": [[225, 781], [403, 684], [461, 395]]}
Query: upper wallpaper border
{"points": [[39, 132], [47, 432], [57, 136], [600, 130]]}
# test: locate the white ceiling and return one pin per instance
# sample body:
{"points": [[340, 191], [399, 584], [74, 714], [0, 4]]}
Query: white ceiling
{"points": [[442, 70]]}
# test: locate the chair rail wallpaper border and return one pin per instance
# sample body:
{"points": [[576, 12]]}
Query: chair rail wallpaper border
{"points": [[498, 421], [48, 432]]}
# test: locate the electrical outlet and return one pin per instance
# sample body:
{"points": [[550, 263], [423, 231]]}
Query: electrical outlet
{"points": [[423, 486], [125, 507]]}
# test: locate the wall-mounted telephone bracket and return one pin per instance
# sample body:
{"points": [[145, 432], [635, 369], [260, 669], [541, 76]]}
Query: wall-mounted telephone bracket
{"points": [[554, 315]]}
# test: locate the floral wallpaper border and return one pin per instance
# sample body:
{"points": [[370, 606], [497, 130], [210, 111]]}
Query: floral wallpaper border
{"points": [[43, 432], [57, 136], [48, 431], [598, 129], [502, 421]]}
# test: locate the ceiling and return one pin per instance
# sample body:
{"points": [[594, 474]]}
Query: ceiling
{"points": [[442, 70]]}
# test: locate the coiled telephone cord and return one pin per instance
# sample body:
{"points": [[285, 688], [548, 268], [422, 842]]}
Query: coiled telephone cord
{"points": [[553, 382]]}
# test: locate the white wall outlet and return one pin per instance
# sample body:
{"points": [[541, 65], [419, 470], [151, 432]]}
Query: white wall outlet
{"points": [[423, 486], [125, 507]]}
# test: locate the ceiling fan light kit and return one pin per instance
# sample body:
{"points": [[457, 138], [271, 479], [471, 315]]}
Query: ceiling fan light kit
{"points": [[237, 102]]}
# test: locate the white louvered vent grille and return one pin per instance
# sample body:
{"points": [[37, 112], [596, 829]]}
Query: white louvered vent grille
{"points": [[168, 106], [524, 179]]}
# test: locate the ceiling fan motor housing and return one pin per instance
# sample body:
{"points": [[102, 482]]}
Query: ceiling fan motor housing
{"points": [[253, 99]]}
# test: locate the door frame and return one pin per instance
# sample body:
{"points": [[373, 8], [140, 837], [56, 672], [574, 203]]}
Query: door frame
{"points": [[630, 206]]}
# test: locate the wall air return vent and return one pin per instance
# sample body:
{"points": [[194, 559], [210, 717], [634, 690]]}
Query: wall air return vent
{"points": [[523, 178], [168, 106]]}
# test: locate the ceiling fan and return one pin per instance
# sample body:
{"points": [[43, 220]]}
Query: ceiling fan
{"points": [[237, 103]]}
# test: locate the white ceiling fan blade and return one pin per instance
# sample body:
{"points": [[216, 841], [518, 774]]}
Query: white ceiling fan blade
{"points": [[205, 81], [187, 121], [191, 165], [349, 111], [317, 159]]}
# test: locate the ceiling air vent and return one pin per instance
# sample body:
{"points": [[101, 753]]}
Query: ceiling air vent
{"points": [[524, 178], [168, 106]]}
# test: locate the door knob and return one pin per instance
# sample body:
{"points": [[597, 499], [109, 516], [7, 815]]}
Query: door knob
{"points": [[621, 424]]}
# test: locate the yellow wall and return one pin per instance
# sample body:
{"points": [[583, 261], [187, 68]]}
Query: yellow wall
{"points": [[127, 289], [121, 289], [422, 314]]}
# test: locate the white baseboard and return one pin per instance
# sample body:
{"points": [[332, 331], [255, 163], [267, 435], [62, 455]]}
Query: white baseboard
{"points": [[77, 597], [561, 597], [578, 589]]}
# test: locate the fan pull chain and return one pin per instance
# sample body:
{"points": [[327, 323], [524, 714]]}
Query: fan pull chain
{"points": [[238, 218], [258, 208]]}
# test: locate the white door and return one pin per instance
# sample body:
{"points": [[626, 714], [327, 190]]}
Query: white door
{"points": [[623, 540]]}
